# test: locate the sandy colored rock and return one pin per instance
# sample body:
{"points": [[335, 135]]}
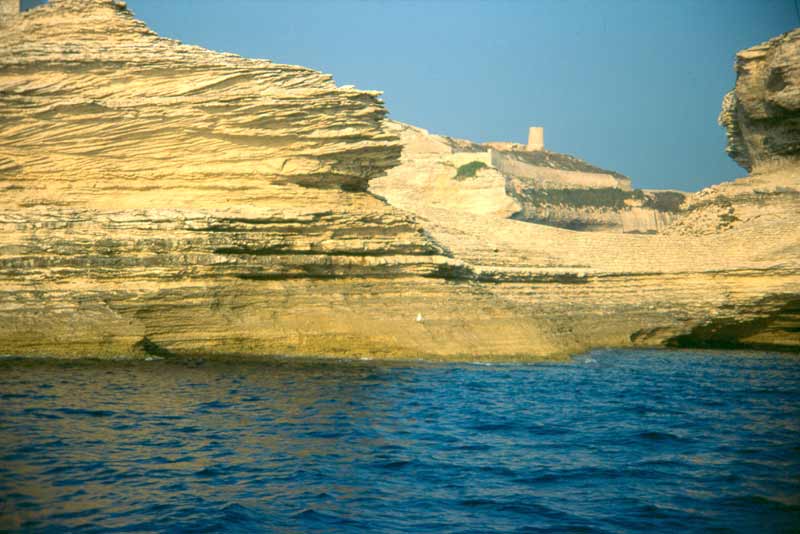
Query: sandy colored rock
{"points": [[721, 269], [762, 113], [163, 199], [160, 198], [541, 187]]}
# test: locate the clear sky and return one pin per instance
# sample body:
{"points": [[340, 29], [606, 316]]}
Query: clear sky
{"points": [[629, 85]]}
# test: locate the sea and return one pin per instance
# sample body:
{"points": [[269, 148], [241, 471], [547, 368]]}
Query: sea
{"points": [[606, 442]]}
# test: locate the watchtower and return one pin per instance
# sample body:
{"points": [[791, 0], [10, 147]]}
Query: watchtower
{"points": [[9, 7], [535, 138]]}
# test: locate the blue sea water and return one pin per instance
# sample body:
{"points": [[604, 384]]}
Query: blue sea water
{"points": [[612, 441]]}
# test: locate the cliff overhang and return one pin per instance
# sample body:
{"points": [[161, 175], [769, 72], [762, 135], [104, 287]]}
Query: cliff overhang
{"points": [[165, 200]]}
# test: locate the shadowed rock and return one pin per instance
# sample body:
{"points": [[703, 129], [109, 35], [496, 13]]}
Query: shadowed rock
{"points": [[163, 199], [762, 113]]}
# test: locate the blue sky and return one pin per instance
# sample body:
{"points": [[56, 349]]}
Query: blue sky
{"points": [[630, 85]]}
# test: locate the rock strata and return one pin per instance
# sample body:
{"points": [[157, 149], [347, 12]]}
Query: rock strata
{"points": [[722, 269], [762, 113], [163, 200], [538, 186]]}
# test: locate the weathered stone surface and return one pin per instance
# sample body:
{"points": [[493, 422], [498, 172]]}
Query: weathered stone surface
{"points": [[762, 113], [162, 199], [561, 190], [541, 187], [728, 255], [427, 176]]}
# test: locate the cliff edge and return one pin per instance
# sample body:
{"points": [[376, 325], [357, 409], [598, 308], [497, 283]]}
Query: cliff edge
{"points": [[163, 200], [762, 113]]}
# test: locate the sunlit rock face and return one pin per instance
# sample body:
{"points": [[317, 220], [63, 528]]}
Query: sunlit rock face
{"points": [[717, 268], [535, 186], [427, 176], [564, 191], [86, 86], [163, 200], [160, 198], [762, 113]]}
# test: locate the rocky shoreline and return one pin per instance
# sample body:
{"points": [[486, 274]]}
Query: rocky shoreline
{"points": [[164, 200]]}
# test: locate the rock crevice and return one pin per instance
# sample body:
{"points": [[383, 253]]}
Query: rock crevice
{"points": [[163, 199], [762, 113]]}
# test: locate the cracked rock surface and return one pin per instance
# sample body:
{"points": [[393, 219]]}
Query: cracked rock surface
{"points": [[762, 113], [163, 199]]}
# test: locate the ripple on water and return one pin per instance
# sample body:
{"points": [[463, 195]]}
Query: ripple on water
{"points": [[613, 442]]}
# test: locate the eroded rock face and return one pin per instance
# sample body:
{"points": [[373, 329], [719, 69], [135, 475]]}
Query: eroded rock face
{"points": [[762, 113], [540, 187], [723, 207], [85, 85], [564, 191], [165, 200], [723, 269], [428, 175], [162, 198]]}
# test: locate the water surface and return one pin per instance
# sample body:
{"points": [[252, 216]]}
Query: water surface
{"points": [[609, 442]]}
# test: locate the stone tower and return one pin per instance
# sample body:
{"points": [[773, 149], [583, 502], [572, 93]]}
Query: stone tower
{"points": [[535, 138], [9, 7]]}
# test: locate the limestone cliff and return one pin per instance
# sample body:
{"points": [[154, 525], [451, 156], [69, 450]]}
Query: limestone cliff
{"points": [[702, 280], [162, 198], [561, 190], [428, 175], [535, 186], [762, 113], [165, 200]]}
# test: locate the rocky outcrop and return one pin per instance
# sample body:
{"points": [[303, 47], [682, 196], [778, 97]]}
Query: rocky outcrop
{"points": [[162, 200], [535, 186], [722, 270], [429, 175], [726, 206], [762, 113], [596, 209], [725, 273], [564, 191]]}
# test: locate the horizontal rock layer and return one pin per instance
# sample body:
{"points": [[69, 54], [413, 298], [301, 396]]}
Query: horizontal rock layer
{"points": [[133, 165], [535, 186], [165, 200], [762, 113], [728, 255]]}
